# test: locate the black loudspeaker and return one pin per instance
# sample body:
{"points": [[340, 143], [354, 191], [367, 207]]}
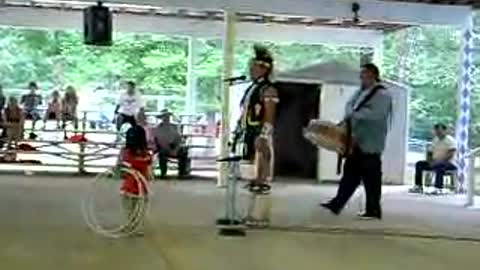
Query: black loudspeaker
{"points": [[97, 21]]}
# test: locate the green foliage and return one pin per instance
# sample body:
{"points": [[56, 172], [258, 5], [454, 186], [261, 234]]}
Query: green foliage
{"points": [[56, 58], [431, 70]]}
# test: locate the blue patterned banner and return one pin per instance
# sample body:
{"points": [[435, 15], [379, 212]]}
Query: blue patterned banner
{"points": [[463, 124]]}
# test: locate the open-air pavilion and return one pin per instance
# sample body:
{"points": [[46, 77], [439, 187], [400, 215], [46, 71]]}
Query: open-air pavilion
{"points": [[312, 22]]}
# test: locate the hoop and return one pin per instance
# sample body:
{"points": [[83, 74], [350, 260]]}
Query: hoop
{"points": [[88, 205]]}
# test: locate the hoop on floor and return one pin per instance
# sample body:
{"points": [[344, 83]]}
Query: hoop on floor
{"points": [[113, 178]]}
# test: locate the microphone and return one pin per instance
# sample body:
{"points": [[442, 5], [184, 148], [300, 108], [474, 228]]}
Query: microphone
{"points": [[234, 79]]}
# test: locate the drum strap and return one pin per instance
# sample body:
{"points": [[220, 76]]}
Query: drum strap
{"points": [[348, 127]]}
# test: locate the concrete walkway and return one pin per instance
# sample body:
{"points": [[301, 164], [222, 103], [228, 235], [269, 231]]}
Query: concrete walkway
{"points": [[42, 228]]}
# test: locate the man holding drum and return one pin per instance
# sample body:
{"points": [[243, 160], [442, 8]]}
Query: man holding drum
{"points": [[368, 114]]}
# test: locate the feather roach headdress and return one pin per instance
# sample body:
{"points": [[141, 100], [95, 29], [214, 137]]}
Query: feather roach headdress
{"points": [[262, 56]]}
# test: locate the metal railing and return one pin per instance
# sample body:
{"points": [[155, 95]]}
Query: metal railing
{"points": [[92, 154], [159, 102]]}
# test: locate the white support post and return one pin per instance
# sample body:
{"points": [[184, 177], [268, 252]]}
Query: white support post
{"points": [[228, 63], [378, 53], [465, 90], [190, 104]]}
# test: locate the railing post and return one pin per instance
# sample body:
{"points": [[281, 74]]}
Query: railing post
{"points": [[81, 158], [84, 123], [81, 154]]}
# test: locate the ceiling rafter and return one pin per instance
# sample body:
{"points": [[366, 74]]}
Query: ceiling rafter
{"points": [[215, 15], [473, 3]]}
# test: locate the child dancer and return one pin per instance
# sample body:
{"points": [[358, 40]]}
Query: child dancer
{"points": [[54, 110], [14, 119], [136, 155]]}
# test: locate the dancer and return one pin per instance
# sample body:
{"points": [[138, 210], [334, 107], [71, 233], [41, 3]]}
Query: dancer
{"points": [[368, 113], [136, 155], [258, 107], [54, 110]]}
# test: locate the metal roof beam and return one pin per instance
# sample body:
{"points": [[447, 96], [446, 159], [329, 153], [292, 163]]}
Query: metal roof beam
{"points": [[32, 17], [375, 10]]}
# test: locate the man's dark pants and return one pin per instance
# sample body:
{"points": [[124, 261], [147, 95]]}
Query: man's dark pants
{"points": [[182, 159], [123, 118], [439, 168], [361, 167]]}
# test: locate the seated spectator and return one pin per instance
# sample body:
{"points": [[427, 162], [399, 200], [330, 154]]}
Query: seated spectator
{"points": [[168, 144], [2, 107], [129, 104], [69, 108], [13, 121], [3, 102], [441, 159], [30, 103], [141, 120], [54, 110]]}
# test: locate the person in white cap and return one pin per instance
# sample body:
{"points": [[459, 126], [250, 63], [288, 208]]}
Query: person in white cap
{"points": [[169, 144]]}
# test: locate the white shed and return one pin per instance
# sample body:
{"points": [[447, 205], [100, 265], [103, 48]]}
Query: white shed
{"points": [[336, 83]]}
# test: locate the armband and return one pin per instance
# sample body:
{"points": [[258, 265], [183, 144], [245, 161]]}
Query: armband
{"points": [[270, 95], [267, 130], [273, 99]]}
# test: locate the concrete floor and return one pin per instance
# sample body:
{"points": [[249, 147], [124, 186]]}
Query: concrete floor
{"points": [[42, 228]]}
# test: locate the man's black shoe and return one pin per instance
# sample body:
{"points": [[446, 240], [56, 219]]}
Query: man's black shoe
{"points": [[368, 216], [334, 210]]}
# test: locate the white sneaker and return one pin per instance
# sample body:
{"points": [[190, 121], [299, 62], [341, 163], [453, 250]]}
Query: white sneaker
{"points": [[138, 233], [436, 191]]}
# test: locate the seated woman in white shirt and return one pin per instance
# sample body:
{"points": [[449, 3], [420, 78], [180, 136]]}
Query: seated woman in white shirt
{"points": [[129, 104], [69, 109], [442, 159]]}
